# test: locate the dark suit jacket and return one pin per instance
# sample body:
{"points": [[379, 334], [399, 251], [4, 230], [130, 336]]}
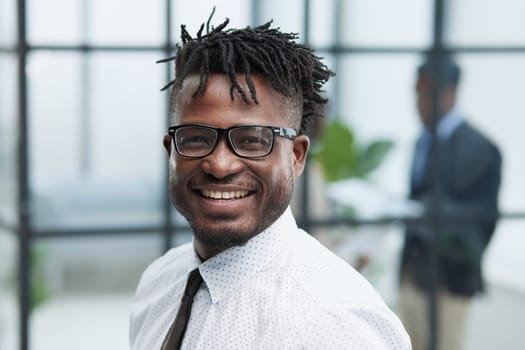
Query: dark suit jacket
{"points": [[467, 178]]}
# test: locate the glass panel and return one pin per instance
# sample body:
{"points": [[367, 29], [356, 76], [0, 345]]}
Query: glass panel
{"points": [[121, 22], [8, 140], [7, 23], [287, 15], [378, 104], [474, 22], [364, 23], [9, 304], [95, 277], [55, 21], [491, 96], [504, 264], [387, 23], [96, 131], [182, 237], [54, 84], [238, 11], [98, 22], [331, 89], [178, 219], [322, 23]]}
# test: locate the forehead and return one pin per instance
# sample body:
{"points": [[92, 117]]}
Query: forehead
{"points": [[216, 107]]}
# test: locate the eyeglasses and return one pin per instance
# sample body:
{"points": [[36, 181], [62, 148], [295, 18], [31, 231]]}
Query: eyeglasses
{"points": [[248, 141]]}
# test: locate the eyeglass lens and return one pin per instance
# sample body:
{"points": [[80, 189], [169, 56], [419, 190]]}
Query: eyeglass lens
{"points": [[246, 141]]}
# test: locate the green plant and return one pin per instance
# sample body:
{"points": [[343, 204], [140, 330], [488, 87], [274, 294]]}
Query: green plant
{"points": [[39, 291], [10, 277], [341, 157]]}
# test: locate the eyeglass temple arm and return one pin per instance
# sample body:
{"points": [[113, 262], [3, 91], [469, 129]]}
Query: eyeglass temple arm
{"points": [[289, 133]]}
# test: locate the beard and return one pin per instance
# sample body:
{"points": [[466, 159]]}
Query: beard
{"points": [[229, 232]]}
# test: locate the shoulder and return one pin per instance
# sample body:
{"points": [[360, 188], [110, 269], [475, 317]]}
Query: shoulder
{"points": [[475, 138], [165, 268], [326, 277], [345, 310], [475, 152], [156, 288], [356, 326]]}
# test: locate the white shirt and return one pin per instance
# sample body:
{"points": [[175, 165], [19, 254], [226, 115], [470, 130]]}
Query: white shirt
{"points": [[281, 290], [449, 123]]}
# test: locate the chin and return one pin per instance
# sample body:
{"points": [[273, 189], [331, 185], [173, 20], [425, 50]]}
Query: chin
{"points": [[222, 238]]}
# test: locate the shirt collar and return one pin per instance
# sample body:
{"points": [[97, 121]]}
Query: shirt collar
{"points": [[448, 124], [227, 270]]}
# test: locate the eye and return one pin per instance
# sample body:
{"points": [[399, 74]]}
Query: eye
{"points": [[195, 141], [254, 140], [192, 138]]}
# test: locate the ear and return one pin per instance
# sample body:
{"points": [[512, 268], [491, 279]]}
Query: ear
{"points": [[301, 145], [167, 144]]}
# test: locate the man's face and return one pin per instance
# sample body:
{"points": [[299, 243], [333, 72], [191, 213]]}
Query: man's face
{"points": [[228, 199], [424, 100]]}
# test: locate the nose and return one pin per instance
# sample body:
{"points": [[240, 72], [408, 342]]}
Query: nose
{"points": [[222, 162]]}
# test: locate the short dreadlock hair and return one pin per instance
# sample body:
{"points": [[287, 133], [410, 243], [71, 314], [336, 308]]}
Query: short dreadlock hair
{"points": [[292, 69]]}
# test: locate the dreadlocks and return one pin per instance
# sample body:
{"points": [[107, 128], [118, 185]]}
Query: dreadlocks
{"points": [[292, 69]]}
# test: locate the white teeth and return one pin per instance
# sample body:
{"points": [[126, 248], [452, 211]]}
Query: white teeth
{"points": [[224, 195]]}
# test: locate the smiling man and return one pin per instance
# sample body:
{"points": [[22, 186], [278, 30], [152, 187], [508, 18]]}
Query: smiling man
{"points": [[234, 164], [241, 104]]}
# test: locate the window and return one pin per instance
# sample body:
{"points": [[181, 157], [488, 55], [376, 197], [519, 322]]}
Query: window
{"points": [[83, 202]]}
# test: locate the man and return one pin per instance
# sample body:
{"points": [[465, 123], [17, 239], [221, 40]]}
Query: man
{"points": [[459, 174], [241, 104]]}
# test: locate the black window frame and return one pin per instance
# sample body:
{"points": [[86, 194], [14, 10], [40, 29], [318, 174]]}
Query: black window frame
{"points": [[27, 235]]}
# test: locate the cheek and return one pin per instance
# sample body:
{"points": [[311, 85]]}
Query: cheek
{"points": [[271, 171], [172, 167], [177, 169], [172, 163], [421, 103], [284, 170]]}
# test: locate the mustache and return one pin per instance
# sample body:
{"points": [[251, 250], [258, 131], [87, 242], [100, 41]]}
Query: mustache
{"points": [[208, 179]]}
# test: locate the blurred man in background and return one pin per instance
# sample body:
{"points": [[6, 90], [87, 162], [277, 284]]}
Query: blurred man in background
{"points": [[456, 170]]}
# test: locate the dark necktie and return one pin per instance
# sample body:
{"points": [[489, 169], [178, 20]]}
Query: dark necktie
{"points": [[176, 333], [421, 159]]}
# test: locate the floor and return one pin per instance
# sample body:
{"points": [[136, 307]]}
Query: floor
{"points": [[496, 321]]}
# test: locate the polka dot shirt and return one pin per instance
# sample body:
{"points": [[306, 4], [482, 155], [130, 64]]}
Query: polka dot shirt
{"points": [[281, 290]]}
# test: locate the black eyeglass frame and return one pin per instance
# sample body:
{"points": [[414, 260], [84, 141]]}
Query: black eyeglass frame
{"points": [[289, 133]]}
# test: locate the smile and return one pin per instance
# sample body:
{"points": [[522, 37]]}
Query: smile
{"points": [[224, 195]]}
